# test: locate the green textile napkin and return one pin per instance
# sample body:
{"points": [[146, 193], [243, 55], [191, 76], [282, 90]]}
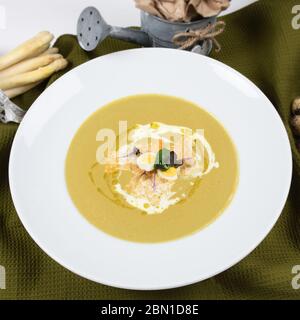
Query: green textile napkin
{"points": [[260, 43]]}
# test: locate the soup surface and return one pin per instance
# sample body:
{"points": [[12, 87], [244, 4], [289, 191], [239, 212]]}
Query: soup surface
{"points": [[139, 196]]}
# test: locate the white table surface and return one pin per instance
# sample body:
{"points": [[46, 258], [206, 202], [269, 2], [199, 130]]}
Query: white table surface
{"points": [[20, 19]]}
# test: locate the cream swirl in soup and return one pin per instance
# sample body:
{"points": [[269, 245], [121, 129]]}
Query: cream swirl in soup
{"points": [[164, 163]]}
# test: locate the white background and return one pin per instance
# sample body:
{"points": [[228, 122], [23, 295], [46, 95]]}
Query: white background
{"points": [[21, 19]]}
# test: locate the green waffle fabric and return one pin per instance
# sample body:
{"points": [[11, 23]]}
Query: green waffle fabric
{"points": [[260, 43]]}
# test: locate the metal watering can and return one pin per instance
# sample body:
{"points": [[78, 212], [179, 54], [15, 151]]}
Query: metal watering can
{"points": [[155, 32]]}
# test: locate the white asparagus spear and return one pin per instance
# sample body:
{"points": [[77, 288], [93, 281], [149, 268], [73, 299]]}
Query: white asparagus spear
{"points": [[29, 65], [52, 50], [12, 93], [40, 51], [45, 50], [33, 76], [27, 49]]}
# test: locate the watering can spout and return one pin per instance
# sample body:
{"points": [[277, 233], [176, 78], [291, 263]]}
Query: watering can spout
{"points": [[92, 29], [131, 35]]}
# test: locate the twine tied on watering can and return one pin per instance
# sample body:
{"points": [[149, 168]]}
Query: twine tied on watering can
{"points": [[185, 40]]}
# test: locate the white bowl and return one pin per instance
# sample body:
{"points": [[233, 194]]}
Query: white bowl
{"points": [[38, 187]]}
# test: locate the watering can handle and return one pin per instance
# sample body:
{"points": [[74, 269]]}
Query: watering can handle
{"points": [[131, 35]]}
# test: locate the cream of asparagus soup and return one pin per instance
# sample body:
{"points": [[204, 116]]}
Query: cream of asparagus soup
{"points": [[151, 168]]}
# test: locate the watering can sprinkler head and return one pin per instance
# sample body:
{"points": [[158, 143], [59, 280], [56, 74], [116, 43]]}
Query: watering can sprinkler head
{"points": [[92, 29]]}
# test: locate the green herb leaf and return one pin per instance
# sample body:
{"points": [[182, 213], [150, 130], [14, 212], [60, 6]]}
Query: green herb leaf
{"points": [[165, 159], [162, 161]]}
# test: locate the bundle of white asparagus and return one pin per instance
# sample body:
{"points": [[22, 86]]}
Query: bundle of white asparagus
{"points": [[29, 64], [183, 10]]}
